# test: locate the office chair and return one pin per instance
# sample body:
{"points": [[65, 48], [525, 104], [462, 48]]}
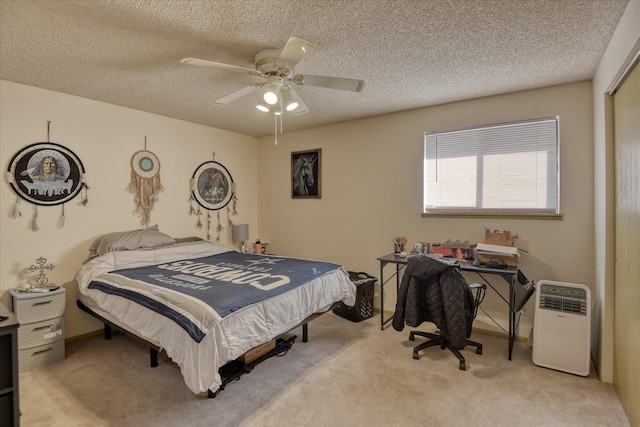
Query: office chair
{"points": [[436, 291]]}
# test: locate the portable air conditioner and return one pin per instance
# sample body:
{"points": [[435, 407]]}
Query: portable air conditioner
{"points": [[562, 327]]}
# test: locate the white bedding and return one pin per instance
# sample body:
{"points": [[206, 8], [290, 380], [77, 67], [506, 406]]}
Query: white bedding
{"points": [[231, 336]]}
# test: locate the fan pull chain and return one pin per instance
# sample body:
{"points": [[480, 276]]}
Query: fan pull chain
{"points": [[275, 122]]}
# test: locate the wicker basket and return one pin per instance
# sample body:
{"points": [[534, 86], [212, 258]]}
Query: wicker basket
{"points": [[363, 308]]}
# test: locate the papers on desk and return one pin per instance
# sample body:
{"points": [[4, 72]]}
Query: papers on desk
{"points": [[484, 248], [507, 255], [448, 261]]}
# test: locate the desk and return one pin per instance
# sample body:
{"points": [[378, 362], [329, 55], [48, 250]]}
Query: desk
{"points": [[509, 275]]}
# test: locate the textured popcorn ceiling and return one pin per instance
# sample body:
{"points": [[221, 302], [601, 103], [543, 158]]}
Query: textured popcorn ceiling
{"points": [[410, 53]]}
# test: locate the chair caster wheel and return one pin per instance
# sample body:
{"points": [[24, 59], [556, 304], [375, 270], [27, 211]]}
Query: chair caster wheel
{"points": [[479, 350], [416, 356], [463, 366]]}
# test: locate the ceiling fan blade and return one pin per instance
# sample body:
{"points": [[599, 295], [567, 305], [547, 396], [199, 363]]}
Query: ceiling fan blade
{"points": [[294, 52], [302, 108], [339, 83], [235, 95], [219, 66]]}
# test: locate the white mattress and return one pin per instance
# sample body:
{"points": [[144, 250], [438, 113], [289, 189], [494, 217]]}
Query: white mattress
{"points": [[231, 336]]}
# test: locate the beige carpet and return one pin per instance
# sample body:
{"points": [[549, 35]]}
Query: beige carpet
{"points": [[348, 374]]}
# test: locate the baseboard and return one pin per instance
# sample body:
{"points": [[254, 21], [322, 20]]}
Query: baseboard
{"points": [[83, 336], [498, 334]]}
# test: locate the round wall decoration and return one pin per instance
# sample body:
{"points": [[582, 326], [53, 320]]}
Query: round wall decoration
{"points": [[145, 183], [46, 174], [145, 164], [212, 186]]}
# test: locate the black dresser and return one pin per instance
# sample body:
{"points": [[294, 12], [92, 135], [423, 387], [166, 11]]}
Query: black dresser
{"points": [[9, 393]]}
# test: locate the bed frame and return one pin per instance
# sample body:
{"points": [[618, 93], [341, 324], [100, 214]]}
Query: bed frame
{"points": [[230, 372]]}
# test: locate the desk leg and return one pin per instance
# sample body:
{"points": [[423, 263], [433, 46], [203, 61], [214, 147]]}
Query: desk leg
{"points": [[512, 317], [509, 278], [381, 296], [399, 268]]}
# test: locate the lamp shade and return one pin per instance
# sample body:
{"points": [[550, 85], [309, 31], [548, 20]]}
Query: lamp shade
{"points": [[290, 104], [271, 94], [240, 233]]}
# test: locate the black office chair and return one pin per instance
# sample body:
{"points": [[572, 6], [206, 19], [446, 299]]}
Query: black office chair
{"points": [[436, 291], [441, 339]]}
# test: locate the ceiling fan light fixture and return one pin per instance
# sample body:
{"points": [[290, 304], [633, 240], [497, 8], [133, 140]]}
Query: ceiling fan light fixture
{"points": [[272, 89], [262, 107], [289, 103], [270, 97], [277, 68]]}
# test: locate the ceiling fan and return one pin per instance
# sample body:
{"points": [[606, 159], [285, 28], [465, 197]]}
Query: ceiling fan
{"points": [[277, 67]]}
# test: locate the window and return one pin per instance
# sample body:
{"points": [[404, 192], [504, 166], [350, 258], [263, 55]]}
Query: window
{"points": [[508, 168]]}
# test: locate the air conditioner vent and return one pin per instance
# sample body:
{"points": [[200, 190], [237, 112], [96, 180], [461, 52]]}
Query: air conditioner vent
{"points": [[563, 304]]}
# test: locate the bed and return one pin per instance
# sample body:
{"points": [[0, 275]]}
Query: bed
{"points": [[203, 304]]}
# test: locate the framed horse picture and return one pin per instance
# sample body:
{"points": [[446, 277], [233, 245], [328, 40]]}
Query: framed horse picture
{"points": [[306, 180]]}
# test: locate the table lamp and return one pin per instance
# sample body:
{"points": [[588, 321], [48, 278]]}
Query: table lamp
{"points": [[240, 233]]}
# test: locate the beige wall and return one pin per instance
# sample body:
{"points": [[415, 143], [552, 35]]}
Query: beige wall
{"points": [[105, 137], [372, 190]]}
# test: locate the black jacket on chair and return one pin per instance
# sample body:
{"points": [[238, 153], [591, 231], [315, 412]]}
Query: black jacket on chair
{"points": [[433, 291]]}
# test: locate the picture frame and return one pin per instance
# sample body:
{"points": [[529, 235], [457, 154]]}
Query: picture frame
{"points": [[46, 174], [212, 186], [306, 174]]}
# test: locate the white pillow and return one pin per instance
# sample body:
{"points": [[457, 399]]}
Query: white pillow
{"points": [[130, 240]]}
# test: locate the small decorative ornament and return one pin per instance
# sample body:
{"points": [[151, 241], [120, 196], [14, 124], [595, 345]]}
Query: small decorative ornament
{"points": [[41, 266], [40, 280], [145, 183]]}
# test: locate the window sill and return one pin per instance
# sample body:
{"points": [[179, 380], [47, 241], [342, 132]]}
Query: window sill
{"points": [[543, 216]]}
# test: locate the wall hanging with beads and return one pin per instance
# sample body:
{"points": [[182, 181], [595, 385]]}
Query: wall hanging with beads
{"points": [[46, 174], [145, 183], [212, 188]]}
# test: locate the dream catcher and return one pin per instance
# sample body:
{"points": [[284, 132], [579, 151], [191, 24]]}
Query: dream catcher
{"points": [[212, 188], [46, 174], [145, 183]]}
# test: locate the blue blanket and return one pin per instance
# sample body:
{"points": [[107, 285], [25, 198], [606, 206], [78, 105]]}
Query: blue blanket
{"points": [[226, 282]]}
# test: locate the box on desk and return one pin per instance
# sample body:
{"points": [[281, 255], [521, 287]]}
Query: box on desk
{"points": [[504, 255], [498, 237]]}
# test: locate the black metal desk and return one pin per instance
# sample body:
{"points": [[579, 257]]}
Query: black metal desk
{"points": [[510, 275]]}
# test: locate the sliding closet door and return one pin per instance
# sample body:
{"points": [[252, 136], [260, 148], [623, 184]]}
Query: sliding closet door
{"points": [[626, 375]]}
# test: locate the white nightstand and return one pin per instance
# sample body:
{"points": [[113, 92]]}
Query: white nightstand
{"points": [[41, 331]]}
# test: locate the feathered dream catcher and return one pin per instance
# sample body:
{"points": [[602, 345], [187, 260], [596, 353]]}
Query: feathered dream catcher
{"points": [[213, 189], [46, 174], [145, 183]]}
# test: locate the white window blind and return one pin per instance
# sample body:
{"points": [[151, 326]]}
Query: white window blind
{"points": [[502, 168]]}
